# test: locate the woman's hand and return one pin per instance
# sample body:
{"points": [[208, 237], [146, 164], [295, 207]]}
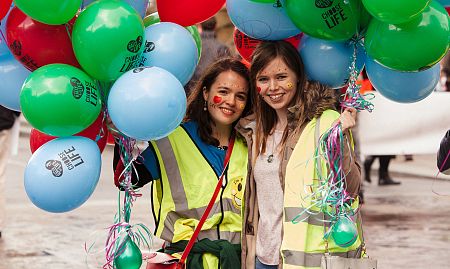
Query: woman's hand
{"points": [[348, 118]]}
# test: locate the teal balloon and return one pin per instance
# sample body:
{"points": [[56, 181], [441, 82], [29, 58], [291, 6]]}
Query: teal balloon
{"points": [[412, 46], [130, 256], [344, 232], [108, 39]]}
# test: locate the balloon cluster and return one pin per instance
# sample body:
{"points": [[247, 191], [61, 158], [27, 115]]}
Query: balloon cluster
{"points": [[75, 68]]}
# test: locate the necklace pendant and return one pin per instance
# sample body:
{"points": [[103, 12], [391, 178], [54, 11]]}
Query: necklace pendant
{"points": [[270, 158]]}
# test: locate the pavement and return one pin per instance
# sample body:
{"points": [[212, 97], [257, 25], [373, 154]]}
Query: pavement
{"points": [[405, 226]]}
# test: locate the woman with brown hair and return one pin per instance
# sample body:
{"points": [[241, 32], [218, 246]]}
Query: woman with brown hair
{"points": [[185, 166], [281, 135]]}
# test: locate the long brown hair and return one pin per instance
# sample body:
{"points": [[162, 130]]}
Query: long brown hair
{"points": [[266, 117], [196, 102]]}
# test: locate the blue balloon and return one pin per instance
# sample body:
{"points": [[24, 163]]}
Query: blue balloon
{"points": [[63, 173], [12, 76], [329, 61], [171, 47], [402, 87], [445, 3], [139, 5], [265, 21], [147, 103]]}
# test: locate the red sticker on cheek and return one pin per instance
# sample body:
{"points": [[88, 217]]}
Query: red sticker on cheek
{"points": [[217, 99], [258, 89]]}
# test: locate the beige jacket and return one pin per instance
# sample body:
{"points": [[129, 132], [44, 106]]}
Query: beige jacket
{"points": [[246, 127]]}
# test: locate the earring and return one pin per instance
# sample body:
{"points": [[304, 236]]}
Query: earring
{"points": [[204, 107]]}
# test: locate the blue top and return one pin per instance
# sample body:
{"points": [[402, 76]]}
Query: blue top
{"points": [[213, 155]]}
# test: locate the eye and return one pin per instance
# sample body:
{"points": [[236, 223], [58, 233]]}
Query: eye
{"points": [[281, 77], [262, 79], [242, 97]]}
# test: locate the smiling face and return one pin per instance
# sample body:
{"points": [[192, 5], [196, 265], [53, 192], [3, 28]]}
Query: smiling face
{"points": [[277, 84], [226, 98]]}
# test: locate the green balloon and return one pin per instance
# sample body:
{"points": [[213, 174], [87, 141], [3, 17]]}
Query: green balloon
{"points": [[151, 19], [395, 11], [131, 256], [108, 39], [60, 100], [412, 46], [154, 18], [326, 19], [52, 12], [344, 232], [198, 40]]}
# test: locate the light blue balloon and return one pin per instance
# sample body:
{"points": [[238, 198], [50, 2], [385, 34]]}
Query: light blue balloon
{"points": [[445, 3], [139, 5], [171, 47], [147, 103], [329, 61], [263, 21], [402, 87], [63, 173], [12, 76]]}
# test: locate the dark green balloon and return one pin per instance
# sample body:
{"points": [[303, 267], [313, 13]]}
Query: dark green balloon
{"points": [[395, 11], [52, 12], [412, 46], [326, 19], [154, 18], [108, 39], [60, 100], [344, 232], [131, 256]]}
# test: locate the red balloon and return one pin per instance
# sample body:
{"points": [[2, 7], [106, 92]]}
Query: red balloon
{"points": [[35, 44], [448, 10], [5, 5], [245, 45], [37, 138], [187, 12]]}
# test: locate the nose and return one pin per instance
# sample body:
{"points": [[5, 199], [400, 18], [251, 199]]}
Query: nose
{"points": [[273, 84], [231, 100]]}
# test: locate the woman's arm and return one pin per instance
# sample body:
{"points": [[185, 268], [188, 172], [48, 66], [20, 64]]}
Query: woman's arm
{"points": [[140, 174], [351, 167]]}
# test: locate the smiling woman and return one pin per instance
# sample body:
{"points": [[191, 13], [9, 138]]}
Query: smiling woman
{"points": [[185, 167]]}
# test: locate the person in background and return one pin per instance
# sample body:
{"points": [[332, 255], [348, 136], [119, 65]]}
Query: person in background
{"points": [[7, 119], [184, 168], [281, 140], [443, 155], [212, 50]]}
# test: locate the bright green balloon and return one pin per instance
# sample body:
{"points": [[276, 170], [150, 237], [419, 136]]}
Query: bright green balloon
{"points": [[412, 46], [198, 40], [60, 100], [130, 258], [344, 232], [326, 19], [395, 11], [108, 39], [49, 11], [154, 18]]}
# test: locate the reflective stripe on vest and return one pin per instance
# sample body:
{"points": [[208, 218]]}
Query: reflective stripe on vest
{"points": [[187, 184], [302, 243]]}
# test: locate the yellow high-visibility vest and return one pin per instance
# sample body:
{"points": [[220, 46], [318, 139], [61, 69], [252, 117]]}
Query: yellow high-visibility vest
{"points": [[186, 186], [303, 243]]}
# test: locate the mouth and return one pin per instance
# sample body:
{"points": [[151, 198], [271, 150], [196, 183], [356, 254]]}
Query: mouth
{"points": [[226, 111], [237, 200], [275, 97]]}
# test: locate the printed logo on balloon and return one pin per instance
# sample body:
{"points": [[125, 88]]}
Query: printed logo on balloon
{"points": [[78, 88], [324, 3], [70, 158], [16, 48], [334, 16], [136, 60], [54, 166], [149, 46]]}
